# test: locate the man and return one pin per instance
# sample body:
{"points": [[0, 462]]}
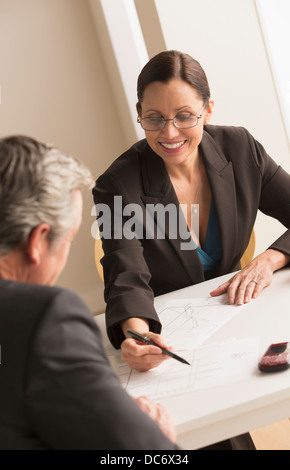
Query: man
{"points": [[57, 390]]}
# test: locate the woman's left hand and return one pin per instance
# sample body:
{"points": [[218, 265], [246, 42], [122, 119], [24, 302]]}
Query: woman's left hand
{"points": [[250, 281]]}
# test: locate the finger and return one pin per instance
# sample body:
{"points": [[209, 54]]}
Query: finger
{"points": [[235, 284], [158, 339], [259, 287], [138, 356], [143, 400], [144, 403], [249, 292], [242, 291], [220, 289], [248, 289], [156, 411], [134, 348], [148, 407]]}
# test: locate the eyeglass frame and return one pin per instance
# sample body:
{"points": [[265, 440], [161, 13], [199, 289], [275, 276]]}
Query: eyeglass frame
{"points": [[172, 119]]}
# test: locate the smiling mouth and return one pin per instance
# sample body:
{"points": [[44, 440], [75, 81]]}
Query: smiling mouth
{"points": [[173, 146]]}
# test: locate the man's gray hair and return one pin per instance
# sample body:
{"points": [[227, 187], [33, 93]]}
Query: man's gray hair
{"points": [[37, 183]]}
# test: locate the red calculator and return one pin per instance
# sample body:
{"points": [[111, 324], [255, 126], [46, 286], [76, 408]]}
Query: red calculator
{"points": [[276, 358]]}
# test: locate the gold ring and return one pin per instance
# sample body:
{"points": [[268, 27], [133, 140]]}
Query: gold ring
{"points": [[253, 280]]}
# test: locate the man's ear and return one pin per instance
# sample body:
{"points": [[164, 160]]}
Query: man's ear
{"points": [[37, 244]]}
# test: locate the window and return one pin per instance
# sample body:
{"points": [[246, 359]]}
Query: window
{"points": [[274, 17]]}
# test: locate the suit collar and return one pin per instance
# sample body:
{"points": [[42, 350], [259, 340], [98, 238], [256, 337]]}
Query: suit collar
{"points": [[222, 183], [154, 174]]}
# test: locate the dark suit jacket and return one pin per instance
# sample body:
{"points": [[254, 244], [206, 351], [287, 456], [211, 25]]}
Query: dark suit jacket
{"points": [[242, 178], [57, 390]]}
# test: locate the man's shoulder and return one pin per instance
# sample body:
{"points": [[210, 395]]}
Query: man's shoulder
{"points": [[26, 297], [25, 289]]}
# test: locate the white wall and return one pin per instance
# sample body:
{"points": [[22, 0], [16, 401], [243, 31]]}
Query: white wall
{"points": [[226, 38], [274, 18], [124, 51], [55, 88]]}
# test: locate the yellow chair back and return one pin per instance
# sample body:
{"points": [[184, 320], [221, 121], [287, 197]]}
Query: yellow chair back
{"points": [[250, 251], [99, 253]]}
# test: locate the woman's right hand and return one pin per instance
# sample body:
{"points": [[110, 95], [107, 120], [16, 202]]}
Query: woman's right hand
{"points": [[143, 357]]}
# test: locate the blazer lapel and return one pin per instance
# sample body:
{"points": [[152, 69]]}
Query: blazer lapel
{"points": [[221, 180], [158, 189]]}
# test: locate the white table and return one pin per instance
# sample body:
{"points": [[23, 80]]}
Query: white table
{"points": [[207, 416]]}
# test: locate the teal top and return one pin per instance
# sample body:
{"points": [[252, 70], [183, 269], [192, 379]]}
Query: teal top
{"points": [[210, 254]]}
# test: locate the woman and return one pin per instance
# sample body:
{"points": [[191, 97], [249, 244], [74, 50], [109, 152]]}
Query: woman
{"points": [[184, 162]]}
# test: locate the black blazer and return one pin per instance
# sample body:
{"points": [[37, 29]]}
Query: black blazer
{"points": [[57, 390], [242, 178]]}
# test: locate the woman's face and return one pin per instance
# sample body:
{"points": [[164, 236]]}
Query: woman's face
{"points": [[174, 145]]}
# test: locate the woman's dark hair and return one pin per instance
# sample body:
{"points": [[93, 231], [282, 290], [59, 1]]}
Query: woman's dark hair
{"points": [[173, 64]]}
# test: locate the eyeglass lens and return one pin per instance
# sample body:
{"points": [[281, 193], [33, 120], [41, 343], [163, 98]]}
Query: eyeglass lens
{"points": [[158, 123]]}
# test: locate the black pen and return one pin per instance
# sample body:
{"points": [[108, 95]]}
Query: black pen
{"points": [[146, 340]]}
